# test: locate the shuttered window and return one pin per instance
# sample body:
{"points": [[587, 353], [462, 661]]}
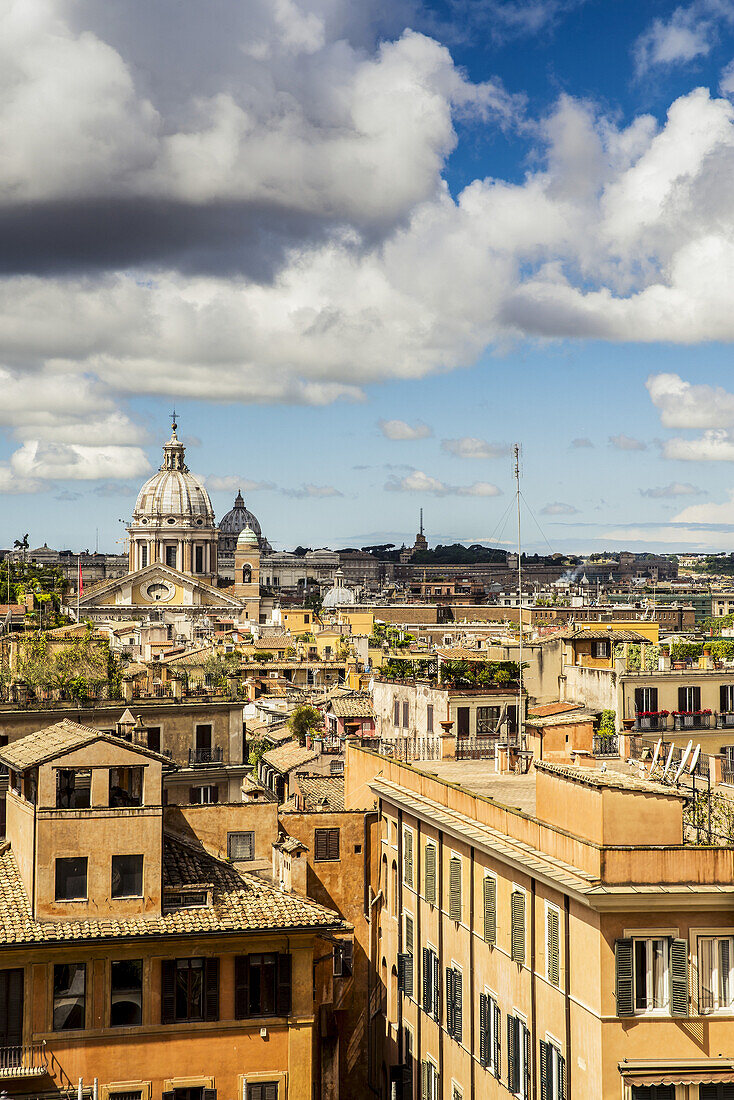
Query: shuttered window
{"points": [[262, 1090], [408, 857], [489, 888], [326, 845], [679, 978], [262, 985], [431, 983], [715, 1092], [489, 1034], [715, 958], [429, 1081], [11, 1007], [241, 846], [455, 888], [651, 974], [396, 712], [623, 977], [189, 989], [518, 1057], [552, 1072], [518, 926], [430, 874], [552, 945], [454, 1003], [407, 966]]}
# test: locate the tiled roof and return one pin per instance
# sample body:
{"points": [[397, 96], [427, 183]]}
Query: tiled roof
{"points": [[240, 903], [607, 635], [355, 707], [546, 709], [594, 777], [322, 792], [273, 641], [289, 756], [193, 657], [460, 653], [565, 719], [63, 737]]}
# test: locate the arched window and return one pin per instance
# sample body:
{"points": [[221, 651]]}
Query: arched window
{"points": [[394, 889], [246, 574]]}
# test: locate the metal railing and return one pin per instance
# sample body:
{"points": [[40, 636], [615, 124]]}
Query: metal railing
{"points": [[205, 756], [479, 747], [23, 1060], [606, 744], [692, 721], [725, 719], [651, 723]]}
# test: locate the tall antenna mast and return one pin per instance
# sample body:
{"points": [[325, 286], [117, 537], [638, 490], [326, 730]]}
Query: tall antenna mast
{"points": [[520, 715], [421, 521]]}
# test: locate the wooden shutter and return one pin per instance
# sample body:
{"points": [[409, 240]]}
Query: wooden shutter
{"points": [[168, 991], [526, 1058], [405, 974], [408, 933], [436, 987], [408, 857], [545, 1070], [211, 989], [724, 698], [483, 1029], [553, 946], [696, 693], [490, 909], [424, 1081], [241, 987], [561, 1063], [679, 978], [284, 985], [518, 926], [455, 888], [209, 1094], [270, 1090], [513, 1074], [193, 795], [11, 1007], [320, 844], [623, 977], [497, 1051], [682, 699], [333, 844], [431, 874], [639, 700], [449, 1000], [458, 1004], [427, 980]]}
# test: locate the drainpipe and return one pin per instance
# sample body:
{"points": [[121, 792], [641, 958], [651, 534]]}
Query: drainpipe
{"points": [[471, 974], [400, 931], [567, 986], [533, 1056], [440, 956], [417, 989]]}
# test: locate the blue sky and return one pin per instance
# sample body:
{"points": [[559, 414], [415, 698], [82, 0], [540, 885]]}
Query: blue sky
{"points": [[363, 250]]}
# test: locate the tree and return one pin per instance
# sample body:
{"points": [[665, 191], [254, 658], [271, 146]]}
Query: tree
{"points": [[304, 720]]}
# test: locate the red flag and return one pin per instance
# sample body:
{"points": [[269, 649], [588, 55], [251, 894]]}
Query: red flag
{"points": [[80, 585]]}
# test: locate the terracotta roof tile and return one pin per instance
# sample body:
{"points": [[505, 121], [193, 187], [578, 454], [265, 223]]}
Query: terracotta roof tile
{"points": [[289, 756], [322, 792]]}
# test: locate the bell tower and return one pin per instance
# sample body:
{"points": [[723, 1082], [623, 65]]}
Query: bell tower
{"points": [[247, 573]]}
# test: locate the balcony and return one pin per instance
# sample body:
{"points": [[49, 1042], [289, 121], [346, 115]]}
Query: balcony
{"points": [[651, 721], [26, 1060], [725, 720], [692, 720], [205, 756], [606, 744]]}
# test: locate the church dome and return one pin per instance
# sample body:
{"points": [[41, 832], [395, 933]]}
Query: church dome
{"points": [[173, 494], [234, 522], [247, 537], [339, 595]]}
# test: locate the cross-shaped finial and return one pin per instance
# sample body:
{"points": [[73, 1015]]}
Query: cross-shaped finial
{"points": [[173, 419]]}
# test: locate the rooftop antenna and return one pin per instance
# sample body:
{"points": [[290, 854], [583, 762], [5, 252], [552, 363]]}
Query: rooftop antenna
{"points": [[520, 721], [421, 523]]}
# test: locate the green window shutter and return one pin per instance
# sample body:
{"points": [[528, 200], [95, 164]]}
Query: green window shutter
{"points": [[436, 987], [430, 874], [458, 1005], [405, 974], [513, 1066], [483, 1029], [623, 977], [518, 927], [424, 1081], [527, 1084], [553, 947], [495, 1009], [679, 978], [561, 1076], [408, 934], [545, 1070], [427, 965], [450, 1001], [490, 909], [455, 888], [408, 858]]}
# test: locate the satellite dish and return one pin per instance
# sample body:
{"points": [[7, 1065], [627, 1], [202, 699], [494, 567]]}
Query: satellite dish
{"points": [[371, 685], [683, 761], [669, 761], [694, 760], [656, 754]]}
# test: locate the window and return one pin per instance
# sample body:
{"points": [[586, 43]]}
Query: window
{"points": [[73, 788], [204, 796], [462, 721], [198, 559], [69, 996], [262, 985], [343, 959], [326, 845], [715, 959], [429, 718], [406, 713], [394, 889], [396, 712], [431, 983], [189, 989], [601, 649], [154, 738], [203, 737], [454, 1002], [489, 1034], [262, 1090], [429, 1082], [430, 874], [646, 700], [126, 786], [518, 1057], [241, 846], [143, 555], [651, 976], [517, 905], [657, 1092], [552, 1072], [406, 959], [726, 698], [489, 890], [171, 556], [11, 1008], [689, 698], [407, 857], [455, 888], [707, 1092], [488, 719], [126, 993], [127, 876], [71, 879], [552, 947]]}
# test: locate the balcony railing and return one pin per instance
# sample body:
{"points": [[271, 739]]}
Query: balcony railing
{"points": [[725, 720], [651, 722], [606, 744], [692, 721], [205, 756], [25, 1060]]}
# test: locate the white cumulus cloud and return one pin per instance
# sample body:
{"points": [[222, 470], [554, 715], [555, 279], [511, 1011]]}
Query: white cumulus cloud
{"points": [[420, 482], [471, 447], [400, 430]]}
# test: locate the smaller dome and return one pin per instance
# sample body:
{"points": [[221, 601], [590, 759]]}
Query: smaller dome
{"points": [[339, 595], [247, 538]]}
